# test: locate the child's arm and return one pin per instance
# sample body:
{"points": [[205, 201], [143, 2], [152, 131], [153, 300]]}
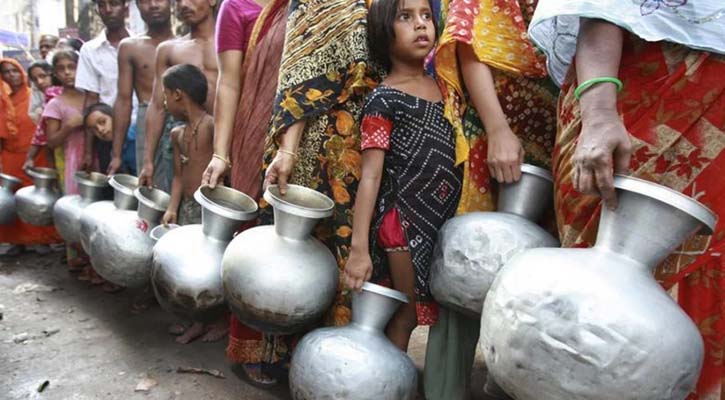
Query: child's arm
{"points": [[58, 131], [505, 153], [359, 267], [30, 158], [177, 187]]}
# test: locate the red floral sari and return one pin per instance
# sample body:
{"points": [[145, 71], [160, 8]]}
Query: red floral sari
{"points": [[673, 105]]}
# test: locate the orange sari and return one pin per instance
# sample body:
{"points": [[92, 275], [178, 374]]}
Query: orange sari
{"points": [[16, 132], [673, 105]]}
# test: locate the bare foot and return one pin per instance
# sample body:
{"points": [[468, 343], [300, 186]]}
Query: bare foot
{"points": [[86, 274], [195, 330], [216, 331], [96, 279], [177, 329]]}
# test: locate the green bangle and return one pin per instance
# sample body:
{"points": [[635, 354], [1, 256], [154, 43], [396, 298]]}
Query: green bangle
{"points": [[605, 79]]}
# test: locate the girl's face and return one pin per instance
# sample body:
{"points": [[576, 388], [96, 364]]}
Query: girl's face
{"points": [[414, 31], [40, 78], [65, 71], [100, 124]]}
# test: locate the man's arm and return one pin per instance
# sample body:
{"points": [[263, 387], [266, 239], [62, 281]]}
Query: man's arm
{"points": [[154, 116], [124, 104], [90, 81]]}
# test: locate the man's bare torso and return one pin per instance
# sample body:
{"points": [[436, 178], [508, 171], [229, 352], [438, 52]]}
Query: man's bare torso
{"points": [[201, 54], [141, 52]]}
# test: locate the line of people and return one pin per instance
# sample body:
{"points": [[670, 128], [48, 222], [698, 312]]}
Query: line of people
{"points": [[404, 112]]}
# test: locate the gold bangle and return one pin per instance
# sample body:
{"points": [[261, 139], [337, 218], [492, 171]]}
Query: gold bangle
{"points": [[289, 153], [224, 159]]}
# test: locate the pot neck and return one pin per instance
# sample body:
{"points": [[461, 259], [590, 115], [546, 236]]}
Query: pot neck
{"points": [[43, 183], [223, 211], [649, 223], [8, 184], [530, 196], [372, 310], [92, 193], [293, 226]]}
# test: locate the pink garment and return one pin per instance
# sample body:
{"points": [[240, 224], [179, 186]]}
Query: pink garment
{"points": [[235, 24], [39, 137], [73, 147]]}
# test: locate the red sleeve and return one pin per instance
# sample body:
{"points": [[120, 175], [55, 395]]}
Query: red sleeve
{"points": [[229, 28], [375, 132]]}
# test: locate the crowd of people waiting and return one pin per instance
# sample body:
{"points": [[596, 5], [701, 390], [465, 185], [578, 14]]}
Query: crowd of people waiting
{"points": [[381, 105]]}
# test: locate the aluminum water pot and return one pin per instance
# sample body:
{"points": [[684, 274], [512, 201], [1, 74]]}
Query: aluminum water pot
{"points": [[121, 249], [67, 210], [123, 199], [8, 184], [186, 273], [357, 361], [593, 324], [34, 204], [472, 248], [279, 279]]}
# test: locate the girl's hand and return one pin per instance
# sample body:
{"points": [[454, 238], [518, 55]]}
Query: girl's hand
{"points": [[358, 270], [28, 164], [603, 148], [169, 218], [505, 155], [214, 172], [279, 171]]}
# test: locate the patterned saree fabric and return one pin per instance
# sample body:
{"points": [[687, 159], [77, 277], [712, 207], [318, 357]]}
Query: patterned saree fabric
{"points": [[496, 30], [673, 106], [324, 77]]}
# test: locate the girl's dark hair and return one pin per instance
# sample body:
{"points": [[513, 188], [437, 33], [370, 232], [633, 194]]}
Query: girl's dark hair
{"points": [[42, 64], [381, 17], [102, 107], [189, 79], [65, 55]]}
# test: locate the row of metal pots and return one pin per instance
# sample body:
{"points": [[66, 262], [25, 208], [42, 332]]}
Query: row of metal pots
{"points": [[555, 323]]}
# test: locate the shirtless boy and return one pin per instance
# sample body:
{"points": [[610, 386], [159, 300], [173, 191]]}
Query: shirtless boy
{"points": [[196, 48], [136, 74], [185, 91]]}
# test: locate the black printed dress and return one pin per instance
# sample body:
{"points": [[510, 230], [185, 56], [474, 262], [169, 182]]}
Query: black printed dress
{"points": [[420, 183]]}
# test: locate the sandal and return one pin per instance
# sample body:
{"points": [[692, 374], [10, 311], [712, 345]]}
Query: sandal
{"points": [[253, 374]]}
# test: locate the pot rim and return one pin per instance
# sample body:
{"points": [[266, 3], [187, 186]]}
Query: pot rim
{"points": [[87, 179], [537, 171], [203, 199], [10, 178], [116, 182], [42, 173], [140, 194], [384, 291], [159, 231], [278, 202], [672, 197]]}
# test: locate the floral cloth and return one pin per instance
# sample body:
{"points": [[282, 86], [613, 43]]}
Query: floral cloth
{"points": [[496, 30], [697, 24], [672, 105], [324, 77]]}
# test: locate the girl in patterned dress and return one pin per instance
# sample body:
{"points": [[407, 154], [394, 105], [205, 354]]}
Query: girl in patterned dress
{"points": [[410, 184]]}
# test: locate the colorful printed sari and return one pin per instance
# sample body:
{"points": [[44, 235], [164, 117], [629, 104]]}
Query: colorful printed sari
{"points": [[16, 133], [496, 30], [673, 105], [259, 85], [324, 77]]}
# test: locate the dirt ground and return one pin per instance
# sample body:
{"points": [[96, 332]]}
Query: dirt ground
{"points": [[88, 344]]}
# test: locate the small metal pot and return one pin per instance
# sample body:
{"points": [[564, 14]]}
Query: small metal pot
{"points": [[8, 184], [67, 210], [120, 247], [34, 204], [279, 279], [186, 273], [357, 361]]}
